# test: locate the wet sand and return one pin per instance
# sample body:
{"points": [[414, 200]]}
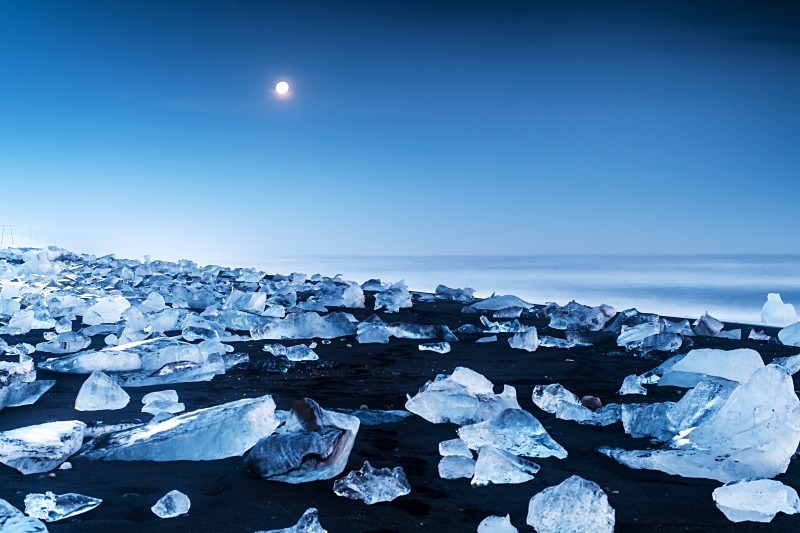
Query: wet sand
{"points": [[225, 498]]}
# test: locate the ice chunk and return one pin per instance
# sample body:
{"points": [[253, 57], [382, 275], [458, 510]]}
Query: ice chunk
{"points": [[495, 303], [496, 524], [448, 335], [13, 521], [776, 313], [512, 326], [508, 312], [546, 341], [373, 485], [526, 340], [735, 334], [40, 448], [52, 507], [491, 338], [67, 342], [444, 292], [172, 504], [20, 324], [438, 347], [101, 392], [632, 385], [576, 504], [308, 523], [394, 298], [790, 364], [707, 325], [577, 316], [226, 430], [501, 467], [153, 303], [758, 335], [753, 435], [313, 444], [456, 467], [567, 406], [463, 397], [456, 447], [661, 342], [757, 500], [165, 401], [106, 310], [305, 326], [790, 335], [21, 393], [735, 365], [299, 352], [515, 431], [633, 336], [252, 302]]}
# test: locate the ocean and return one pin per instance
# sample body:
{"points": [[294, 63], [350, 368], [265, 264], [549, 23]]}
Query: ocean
{"points": [[729, 287]]}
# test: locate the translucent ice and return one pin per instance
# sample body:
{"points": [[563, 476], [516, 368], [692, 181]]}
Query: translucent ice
{"points": [[776, 313], [526, 340], [735, 365], [13, 521], [495, 303], [165, 401], [574, 315], [308, 523], [376, 417], [172, 504], [753, 435], [313, 444], [498, 466], [456, 467], [438, 347], [217, 432], [757, 500], [632, 385], [456, 447], [305, 326], [444, 292], [567, 406], [373, 485], [298, 352], [574, 505], [22, 393], [106, 310], [40, 448], [67, 342], [463, 397], [101, 392], [515, 431], [52, 507], [496, 524], [790, 335], [707, 325], [508, 312], [394, 298]]}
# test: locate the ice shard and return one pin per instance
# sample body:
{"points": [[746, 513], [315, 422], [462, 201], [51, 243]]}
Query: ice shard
{"points": [[373, 485], [438, 347], [377, 417], [577, 316], [313, 444], [298, 352], [172, 504], [632, 385], [443, 292], [106, 310], [22, 393], [165, 401], [394, 298], [776, 313], [67, 342], [101, 392], [463, 397], [13, 521], [456, 467], [497, 466], [308, 523], [515, 431], [40, 448], [735, 365], [707, 325], [790, 335], [226, 430], [496, 524], [757, 500], [53, 507], [526, 340], [576, 504]]}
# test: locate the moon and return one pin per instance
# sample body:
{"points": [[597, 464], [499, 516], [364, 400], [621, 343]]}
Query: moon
{"points": [[282, 87]]}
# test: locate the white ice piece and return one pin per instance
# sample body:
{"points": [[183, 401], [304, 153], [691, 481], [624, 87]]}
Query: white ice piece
{"points": [[757, 500], [101, 392], [106, 310], [526, 340], [438, 347], [515, 431], [373, 485], [735, 365], [40, 448], [496, 524], [576, 504], [790, 335], [498, 466], [172, 504], [14, 521], [308, 523], [567, 406], [776, 313], [394, 298], [53, 507]]}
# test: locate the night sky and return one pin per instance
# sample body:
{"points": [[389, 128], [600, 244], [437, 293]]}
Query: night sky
{"points": [[411, 127]]}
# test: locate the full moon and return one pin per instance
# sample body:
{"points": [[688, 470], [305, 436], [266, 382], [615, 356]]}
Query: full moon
{"points": [[282, 87]]}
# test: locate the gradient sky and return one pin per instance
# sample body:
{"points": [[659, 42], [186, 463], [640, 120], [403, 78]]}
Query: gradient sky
{"points": [[412, 128]]}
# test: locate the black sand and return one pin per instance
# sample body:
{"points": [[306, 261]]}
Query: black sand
{"points": [[225, 498]]}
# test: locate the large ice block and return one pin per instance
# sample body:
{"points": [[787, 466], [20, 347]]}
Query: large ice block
{"points": [[757, 500], [13, 521], [735, 365], [40, 448], [52, 507], [101, 392], [776, 313], [515, 431], [576, 504]]}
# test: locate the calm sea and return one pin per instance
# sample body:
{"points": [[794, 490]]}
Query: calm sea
{"points": [[729, 287]]}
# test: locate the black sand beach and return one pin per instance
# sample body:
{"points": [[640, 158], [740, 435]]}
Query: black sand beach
{"points": [[225, 497]]}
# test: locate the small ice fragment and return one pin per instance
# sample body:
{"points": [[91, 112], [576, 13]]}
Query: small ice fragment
{"points": [[707, 325], [456, 467], [757, 500], [567, 406], [165, 401], [52, 507], [525, 340], [448, 335], [444, 292], [308, 523], [438, 347], [577, 316], [454, 447], [373, 485], [632, 385], [776, 313], [495, 303], [574, 505], [735, 334], [758, 335], [498, 466], [508, 312], [496, 524], [101, 392], [492, 338], [172, 504]]}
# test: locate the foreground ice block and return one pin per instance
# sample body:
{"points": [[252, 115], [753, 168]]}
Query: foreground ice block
{"points": [[753, 435], [313, 444], [373, 485], [695, 366], [13, 521], [305, 326], [308, 523], [53, 507], [226, 430], [790, 335], [463, 397], [757, 500], [496, 524], [40, 448], [527, 340], [172, 504], [776, 313], [515, 431], [574, 505], [101, 392], [496, 466]]}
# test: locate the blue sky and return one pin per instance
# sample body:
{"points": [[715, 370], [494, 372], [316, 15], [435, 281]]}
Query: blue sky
{"points": [[412, 127]]}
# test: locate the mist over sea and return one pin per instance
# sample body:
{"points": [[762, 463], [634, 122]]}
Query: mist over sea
{"points": [[729, 287]]}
